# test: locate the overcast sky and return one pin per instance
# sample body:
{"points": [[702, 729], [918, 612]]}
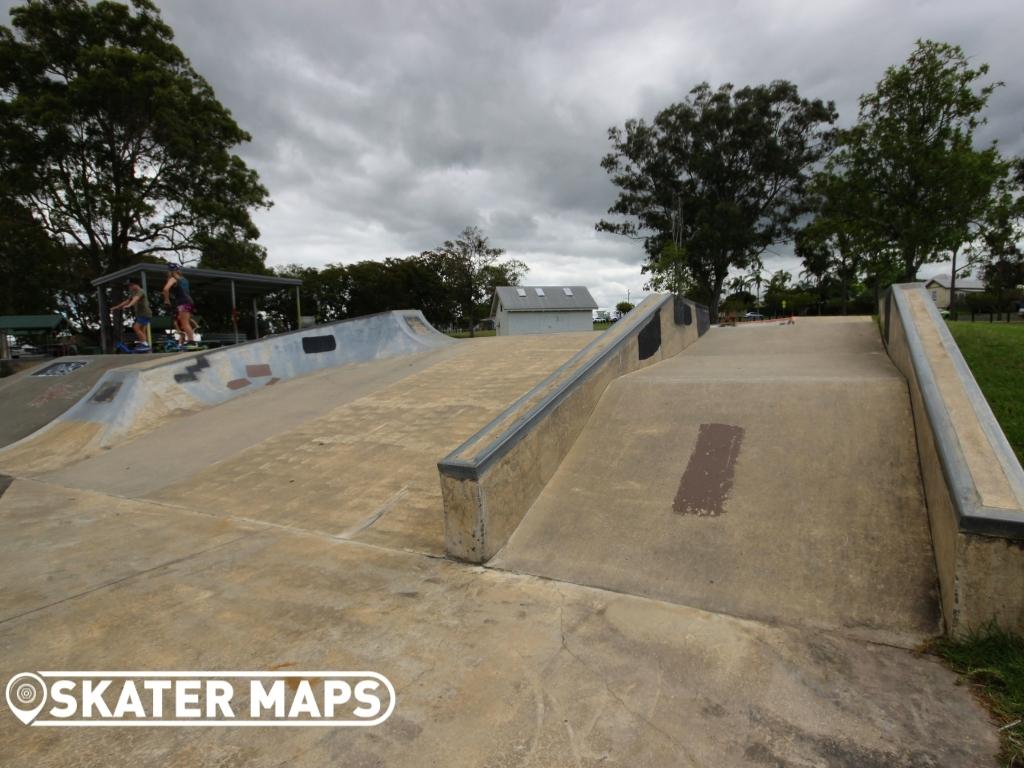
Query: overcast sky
{"points": [[384, 128]]}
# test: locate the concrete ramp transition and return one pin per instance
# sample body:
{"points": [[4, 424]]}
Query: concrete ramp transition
{"points": [[129, 401], [767, 472], [31, 399]]}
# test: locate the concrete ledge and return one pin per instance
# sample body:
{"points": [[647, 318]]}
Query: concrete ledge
{"points": [[973, 482], [489, 482]]}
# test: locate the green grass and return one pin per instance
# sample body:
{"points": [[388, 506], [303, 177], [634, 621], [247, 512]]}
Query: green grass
{"points": [[995, 353], [993, 660]]}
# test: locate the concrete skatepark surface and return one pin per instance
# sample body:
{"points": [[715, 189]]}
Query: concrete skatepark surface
{"points": [[300, 526]]}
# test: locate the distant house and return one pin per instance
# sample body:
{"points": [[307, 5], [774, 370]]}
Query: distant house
{"points": [[542, 309], [938, 287]]}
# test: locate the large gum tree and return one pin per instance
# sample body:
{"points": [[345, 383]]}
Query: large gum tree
{"points": [[113, 142], [916, 181], [715, 180]]}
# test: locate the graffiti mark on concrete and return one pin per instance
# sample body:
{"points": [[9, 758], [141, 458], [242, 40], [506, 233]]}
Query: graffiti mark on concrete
{"points": [[62, 368], [649, 339], [314, 344], [192, 371], [258, 371]]}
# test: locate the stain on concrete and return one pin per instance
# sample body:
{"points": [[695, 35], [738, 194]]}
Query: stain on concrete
{"points": [[238, 383], [107, 394], [258, 371], [780, 736], [706, 483]]}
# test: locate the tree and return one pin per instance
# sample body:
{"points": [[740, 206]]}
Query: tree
{"points": [[623, 307], [472, 269], [912, 176], [721, 176], [113, 141]]}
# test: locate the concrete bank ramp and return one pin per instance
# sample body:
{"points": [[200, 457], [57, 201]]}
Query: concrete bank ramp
{"points": [[765, 472], [31, 399], [132, 400]]}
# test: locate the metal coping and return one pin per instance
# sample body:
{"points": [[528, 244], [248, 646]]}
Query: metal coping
{"points": [[463, 469], [972, 516]]}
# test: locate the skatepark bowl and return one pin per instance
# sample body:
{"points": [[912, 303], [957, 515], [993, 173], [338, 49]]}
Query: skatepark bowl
{"points": [[667, 544]]}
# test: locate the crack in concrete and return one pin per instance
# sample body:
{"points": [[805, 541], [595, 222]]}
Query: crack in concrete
{"points": [[136, 574], [604, 681]]}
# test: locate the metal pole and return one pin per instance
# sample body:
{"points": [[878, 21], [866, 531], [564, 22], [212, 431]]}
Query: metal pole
{"points": [[255, 320], [234, 311], [298, 309], [101, 300], [149, 325]]}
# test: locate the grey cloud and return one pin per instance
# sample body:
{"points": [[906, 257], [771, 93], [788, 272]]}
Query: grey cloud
{"points": [[384, 128]]}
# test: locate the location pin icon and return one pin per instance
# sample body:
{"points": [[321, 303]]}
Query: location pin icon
{"points": [[26, 696]]}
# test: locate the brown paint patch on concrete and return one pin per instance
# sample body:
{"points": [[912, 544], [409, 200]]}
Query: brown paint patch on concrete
{"points": [[708, 477], [258, 371], [273, 381], [238, 383]]}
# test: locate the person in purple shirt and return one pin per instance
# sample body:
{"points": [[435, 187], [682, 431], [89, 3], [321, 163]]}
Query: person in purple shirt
{"points": [[176, 287]]}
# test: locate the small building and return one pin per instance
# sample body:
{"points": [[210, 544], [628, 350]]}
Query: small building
{"points": [[938, 287], [520, 310]]}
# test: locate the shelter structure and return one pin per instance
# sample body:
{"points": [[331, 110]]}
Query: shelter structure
{"points": [[241, 287], [27, 325], [542, 309]]}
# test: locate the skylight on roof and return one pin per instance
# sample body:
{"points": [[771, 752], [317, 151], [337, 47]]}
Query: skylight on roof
{"points": [[521, 292], [567, 291], [540, 291]]}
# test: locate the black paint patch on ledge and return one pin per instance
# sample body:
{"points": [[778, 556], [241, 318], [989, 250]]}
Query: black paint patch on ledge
{"points": [[683, 313], [311, 345], [5, 483], [649, 339], [107, 394], [192, 371], [703, 320]]}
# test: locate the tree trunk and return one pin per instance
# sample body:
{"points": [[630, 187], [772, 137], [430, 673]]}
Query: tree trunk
{"points": [[716, 295]]}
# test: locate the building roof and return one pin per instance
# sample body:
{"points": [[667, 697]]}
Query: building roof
{"points": [[543, 298], [962, 283], [30, 322]]}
